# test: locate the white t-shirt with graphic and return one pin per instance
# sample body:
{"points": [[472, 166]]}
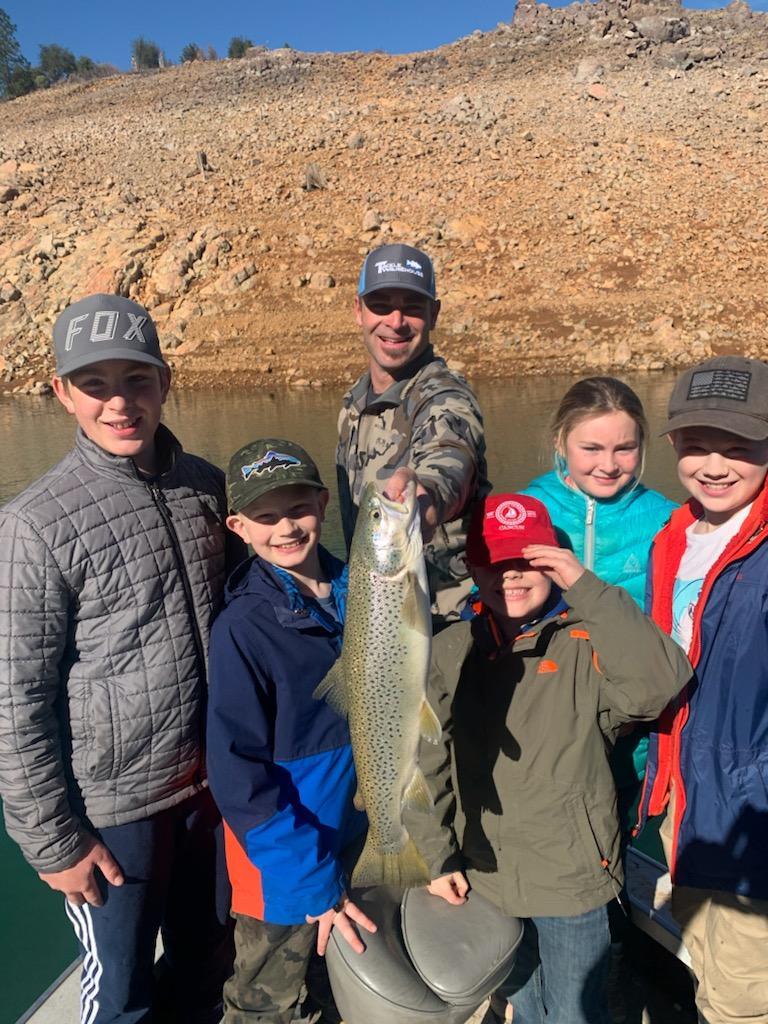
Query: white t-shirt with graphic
{"points": [[702, 550]]}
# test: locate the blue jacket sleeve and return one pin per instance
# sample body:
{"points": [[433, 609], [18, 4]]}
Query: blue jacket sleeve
{"points": [[257, 796]]}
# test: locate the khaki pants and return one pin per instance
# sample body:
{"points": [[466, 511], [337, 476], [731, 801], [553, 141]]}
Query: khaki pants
{"points": [[727, 938]]}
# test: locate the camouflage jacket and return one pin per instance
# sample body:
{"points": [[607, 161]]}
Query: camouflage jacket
{"points": [[432, 423]]}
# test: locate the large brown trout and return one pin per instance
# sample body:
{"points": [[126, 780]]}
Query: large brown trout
{"points": [[380, 681]]}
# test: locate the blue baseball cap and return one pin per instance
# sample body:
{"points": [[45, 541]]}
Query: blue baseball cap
{"points": [[397, 266]]}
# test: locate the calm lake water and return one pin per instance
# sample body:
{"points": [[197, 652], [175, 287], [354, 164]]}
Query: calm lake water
{"points": [[36, 944]]}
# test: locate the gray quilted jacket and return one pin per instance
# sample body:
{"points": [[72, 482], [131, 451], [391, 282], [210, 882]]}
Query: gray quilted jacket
{"points": [[108, 586]]}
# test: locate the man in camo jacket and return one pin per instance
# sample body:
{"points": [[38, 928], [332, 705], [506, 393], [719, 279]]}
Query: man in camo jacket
{"points": [[409, 417]]}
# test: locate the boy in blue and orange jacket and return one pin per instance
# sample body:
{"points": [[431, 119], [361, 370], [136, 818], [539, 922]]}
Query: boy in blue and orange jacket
{"points": [[279, 762], [708, 763]]}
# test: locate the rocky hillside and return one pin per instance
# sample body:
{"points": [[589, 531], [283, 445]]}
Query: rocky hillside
{"points": [[592, 182]]}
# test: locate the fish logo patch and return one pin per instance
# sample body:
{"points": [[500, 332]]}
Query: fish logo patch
{"points": [[511, 514], [268, 463]]}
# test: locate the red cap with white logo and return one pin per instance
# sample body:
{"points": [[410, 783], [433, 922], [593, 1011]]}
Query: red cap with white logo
{"points": [[503, 524]]}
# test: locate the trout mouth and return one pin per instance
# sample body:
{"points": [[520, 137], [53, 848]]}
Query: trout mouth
{"points": [[405, 512], [394, 529]]}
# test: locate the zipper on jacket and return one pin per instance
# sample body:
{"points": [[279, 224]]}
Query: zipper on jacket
{"points": [[159, 499], [589, 535], [605, 865]]}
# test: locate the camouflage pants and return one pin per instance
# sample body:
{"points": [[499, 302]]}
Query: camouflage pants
{"points": [[273, 964]]}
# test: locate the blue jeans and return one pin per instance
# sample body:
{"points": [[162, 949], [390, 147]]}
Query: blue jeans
{"points": [[561, 969]]}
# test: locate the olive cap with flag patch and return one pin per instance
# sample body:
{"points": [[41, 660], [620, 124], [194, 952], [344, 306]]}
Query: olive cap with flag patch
{"points": [[264, 465], [727, 392], [103, 327]]}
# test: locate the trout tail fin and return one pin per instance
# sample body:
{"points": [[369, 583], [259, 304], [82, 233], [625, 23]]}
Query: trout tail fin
{"points": [[404, 869]]}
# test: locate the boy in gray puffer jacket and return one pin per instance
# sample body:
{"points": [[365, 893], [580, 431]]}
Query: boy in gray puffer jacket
{"points": [[112, 569]]}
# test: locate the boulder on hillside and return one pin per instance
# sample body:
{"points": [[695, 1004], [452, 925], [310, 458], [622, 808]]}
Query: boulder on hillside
{"points": [[527, 15], [738, 11], [589, 70], [658, 29]]}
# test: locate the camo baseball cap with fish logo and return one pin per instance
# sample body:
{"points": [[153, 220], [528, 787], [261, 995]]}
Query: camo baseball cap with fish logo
{"points": [[264, 465]]}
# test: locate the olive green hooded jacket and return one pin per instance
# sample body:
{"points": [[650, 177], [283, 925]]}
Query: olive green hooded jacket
{"points": [[525, 800]]}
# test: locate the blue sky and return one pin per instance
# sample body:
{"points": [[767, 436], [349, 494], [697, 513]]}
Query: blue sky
{"points": [[103, 29]]}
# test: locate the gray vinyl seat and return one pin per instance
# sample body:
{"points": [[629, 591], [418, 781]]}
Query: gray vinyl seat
{"points": [[428, 961]]}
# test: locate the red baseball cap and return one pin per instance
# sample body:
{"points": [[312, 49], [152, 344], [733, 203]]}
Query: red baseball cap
{"points": [[503, 524]]}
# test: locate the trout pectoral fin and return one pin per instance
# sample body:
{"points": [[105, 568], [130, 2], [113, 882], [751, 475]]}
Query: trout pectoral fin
{"points": [[417, 794], [429, 727], [413, 613], [334, 690], [358, 801]]}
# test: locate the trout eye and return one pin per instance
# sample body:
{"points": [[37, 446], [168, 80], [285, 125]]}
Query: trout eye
{"points": [[376, 514]]}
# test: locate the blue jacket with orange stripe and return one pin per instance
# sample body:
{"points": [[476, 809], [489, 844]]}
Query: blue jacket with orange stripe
{"points": [[712, 741], [279, 762]]}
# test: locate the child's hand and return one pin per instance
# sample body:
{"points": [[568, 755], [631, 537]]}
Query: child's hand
{"points": [[560, 564], [79, 883], [341, 918], [452, 888]]}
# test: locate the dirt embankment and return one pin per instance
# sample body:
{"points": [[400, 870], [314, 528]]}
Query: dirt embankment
{"points": [[591, 182]]}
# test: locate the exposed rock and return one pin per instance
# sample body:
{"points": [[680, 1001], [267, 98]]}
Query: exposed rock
{"points": [[9, 292], [371, 221], [738, 11], [319, 280], [663, 30], [589, 70], [702, 53], [314, 177], [570, 175]]}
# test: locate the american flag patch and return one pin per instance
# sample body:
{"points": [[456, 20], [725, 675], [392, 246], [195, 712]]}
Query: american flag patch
{"points": [[730, 384]]}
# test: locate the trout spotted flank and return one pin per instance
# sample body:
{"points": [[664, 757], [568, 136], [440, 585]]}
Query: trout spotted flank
{"points": [[380, 680]]}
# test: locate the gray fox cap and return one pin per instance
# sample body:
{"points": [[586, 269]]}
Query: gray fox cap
{"points": [[397, 266], [104, 327], [727, 392], [264, 465]]}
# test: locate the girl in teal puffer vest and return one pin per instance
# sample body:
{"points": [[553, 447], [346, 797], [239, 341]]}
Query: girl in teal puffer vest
{"points": [[602, 511]]}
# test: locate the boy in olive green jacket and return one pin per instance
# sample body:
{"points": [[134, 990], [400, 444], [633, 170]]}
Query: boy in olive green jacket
{"points": [[531, 695]]}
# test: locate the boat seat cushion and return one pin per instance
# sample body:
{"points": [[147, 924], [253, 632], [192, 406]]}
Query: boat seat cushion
{"points": [[428, 961]]}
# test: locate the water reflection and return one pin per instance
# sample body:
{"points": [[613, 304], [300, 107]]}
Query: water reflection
{"points": [[35, 432]]}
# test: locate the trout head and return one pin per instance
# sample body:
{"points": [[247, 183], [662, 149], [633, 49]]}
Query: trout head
{"points": [[388, 533]]}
